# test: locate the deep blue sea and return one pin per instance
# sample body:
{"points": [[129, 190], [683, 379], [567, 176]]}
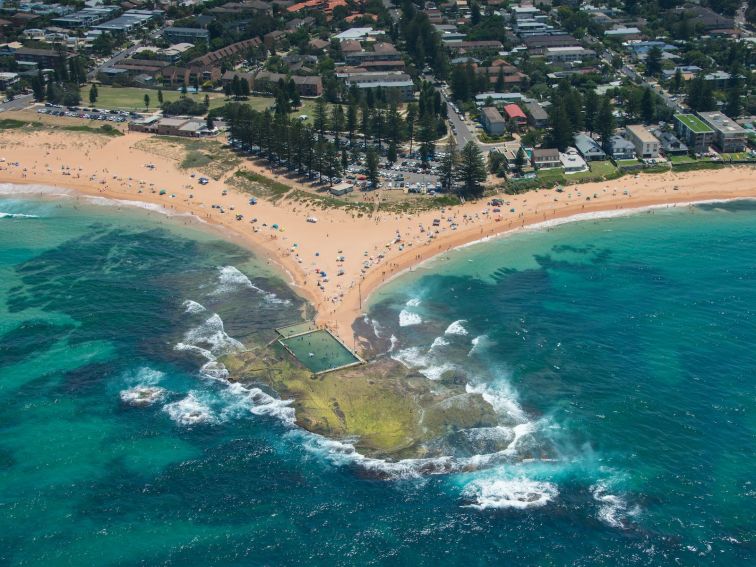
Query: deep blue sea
{"points": [[620, 355]]}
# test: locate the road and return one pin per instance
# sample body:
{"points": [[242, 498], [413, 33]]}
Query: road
{"points": [[18, 103]]}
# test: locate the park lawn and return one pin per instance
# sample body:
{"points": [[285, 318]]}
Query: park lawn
{"points": [[627, 162], [132, 98], [551, 175], [598, 169], [738, 156], [681, 159]]}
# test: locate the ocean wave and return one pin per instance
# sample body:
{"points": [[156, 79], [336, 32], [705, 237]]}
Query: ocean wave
{"points": [[193, 307], [456, 328], [17, 216], [517, 493], [257, 402], [142, 395], [424, 363], [479, 343], [407, 318], [191, 410], [613, 509], [32, 188], [231, 279], [144, 376], [414, 302], [501, 397], [212, 334], [214, 370], [439, 342]]}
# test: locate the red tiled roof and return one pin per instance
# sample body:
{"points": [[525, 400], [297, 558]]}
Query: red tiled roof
{"points": [[514, 111]]}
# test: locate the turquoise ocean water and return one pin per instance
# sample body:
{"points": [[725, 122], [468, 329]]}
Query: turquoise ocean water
{"points": [[619, 354]]}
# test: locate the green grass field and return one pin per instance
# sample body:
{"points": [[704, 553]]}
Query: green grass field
{"points": [[694, 123], [598, 169], [132, 98], [681, 159]]}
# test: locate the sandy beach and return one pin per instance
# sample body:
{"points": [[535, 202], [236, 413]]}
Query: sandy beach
{"points": [[357, 254]]}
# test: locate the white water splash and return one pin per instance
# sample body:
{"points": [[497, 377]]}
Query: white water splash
{"points": [[17, 216], [613, 509], [456, 328], [142, 395], [517, 493], [193, 307], [191, 410], [408, 319], [232, 279]]}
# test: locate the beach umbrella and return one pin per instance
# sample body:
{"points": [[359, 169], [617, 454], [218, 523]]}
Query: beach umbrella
{"points": [[275, 227]]}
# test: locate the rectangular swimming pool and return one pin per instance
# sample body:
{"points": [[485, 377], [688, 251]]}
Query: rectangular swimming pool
{"points": [[319, 351]]}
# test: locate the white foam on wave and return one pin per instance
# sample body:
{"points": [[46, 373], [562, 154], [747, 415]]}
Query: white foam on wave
{"points": [[193, 307], [144, 376], [613, 509], [191, 410], [414, 358], [501, 397], [32, 188], [517, 493], [257, 402], [394, 342], [479, 343], [413, 302], [439, 342], [408, 319], [212, 334], [456, 328], [230, 279], [17, 216], [144, 389], [142, 395]]}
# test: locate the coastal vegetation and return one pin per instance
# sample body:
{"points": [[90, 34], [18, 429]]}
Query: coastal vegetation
{"points": [[386, 409], [208, 156]]}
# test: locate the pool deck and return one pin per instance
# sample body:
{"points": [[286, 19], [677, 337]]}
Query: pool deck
{"points": [[307, 328]]}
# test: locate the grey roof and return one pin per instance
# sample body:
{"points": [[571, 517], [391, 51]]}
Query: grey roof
{"points": [[536, 110], [546, 153], [618, 142], [587, 145], [492, 114]]}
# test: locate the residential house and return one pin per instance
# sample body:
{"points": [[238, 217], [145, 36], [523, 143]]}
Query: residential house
{"points": [[589, 148], [537, 116], [621, 148], [493, 121], [546, 158], [572, 162], [646, 144], [274, 38], [515, 114], [670, 144]]}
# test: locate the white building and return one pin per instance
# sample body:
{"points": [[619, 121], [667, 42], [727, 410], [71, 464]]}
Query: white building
{"points": [[572, 162], [567, 54]]}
